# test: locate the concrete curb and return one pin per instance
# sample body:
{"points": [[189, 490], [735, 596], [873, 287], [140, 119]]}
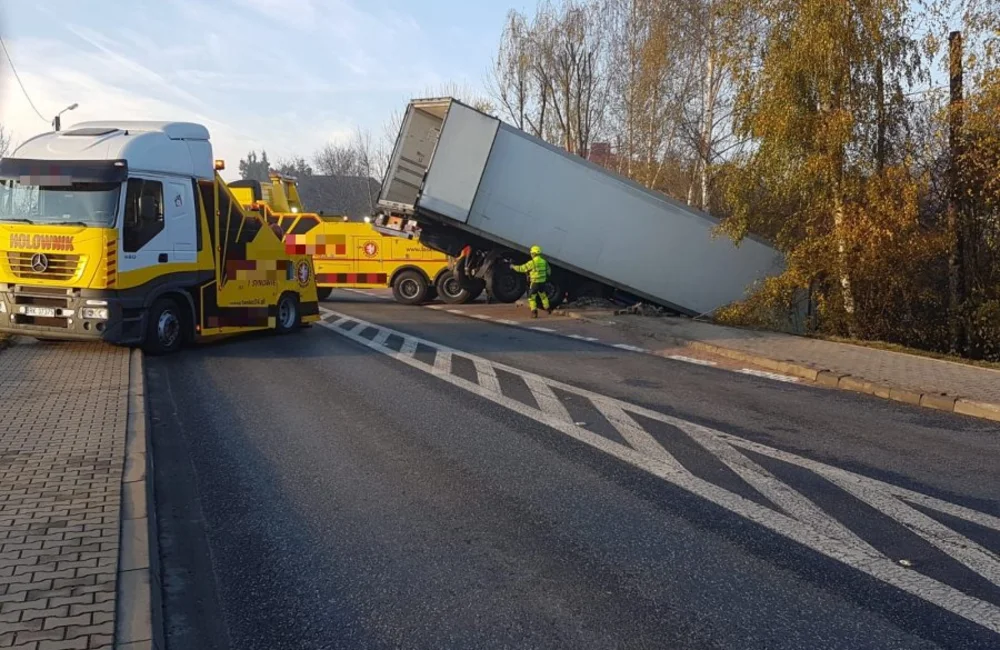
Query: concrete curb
{"points": [[138, 619], [841, 381]]}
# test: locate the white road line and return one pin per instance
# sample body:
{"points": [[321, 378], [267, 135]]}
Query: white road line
{"points": [[359, 327], [623, 346], [700, 362], [778, 493], [631, 348], [933, 503], [546, 398], [769, 375], [382, 336], [487, 375], [639, 438], [339, 321], [442, 362], [863, 559], [409, 346], [966, 551]]}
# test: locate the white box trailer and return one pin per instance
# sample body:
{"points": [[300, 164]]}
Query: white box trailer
{"points": [[458, 177]]}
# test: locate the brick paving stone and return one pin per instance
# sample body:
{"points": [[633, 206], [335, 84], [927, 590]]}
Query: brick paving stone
{"points": [[62, 453]]}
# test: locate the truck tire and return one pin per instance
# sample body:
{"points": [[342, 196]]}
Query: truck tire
{"points": [[288, 318], [449, 289], [505, 285], [478, 291], [323, 293], [410, 288], [554, 289], [165, 325]]}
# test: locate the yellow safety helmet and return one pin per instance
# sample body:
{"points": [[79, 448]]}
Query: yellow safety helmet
{"points": [[536, 250]]}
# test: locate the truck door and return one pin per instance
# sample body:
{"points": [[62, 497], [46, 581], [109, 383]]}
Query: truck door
{"points": [[181, 224], [156, 228]]}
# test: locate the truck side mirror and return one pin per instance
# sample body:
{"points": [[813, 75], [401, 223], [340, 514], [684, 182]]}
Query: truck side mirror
{"points": [[148, 210]]}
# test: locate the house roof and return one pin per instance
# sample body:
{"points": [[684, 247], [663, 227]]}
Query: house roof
{"points": [[354, 196]]}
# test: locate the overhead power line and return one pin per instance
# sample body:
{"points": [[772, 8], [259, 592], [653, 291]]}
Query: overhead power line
{"points": [[19, 82]]}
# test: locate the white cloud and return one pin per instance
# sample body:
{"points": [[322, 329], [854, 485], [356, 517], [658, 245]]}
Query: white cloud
{"points": [[252, 71]]}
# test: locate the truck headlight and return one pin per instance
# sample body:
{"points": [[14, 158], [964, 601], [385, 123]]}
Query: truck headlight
{"points": [[3, 307], [94, 313]]}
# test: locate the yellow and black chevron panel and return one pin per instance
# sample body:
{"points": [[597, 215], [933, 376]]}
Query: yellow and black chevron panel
{"points": [[111, 268]]}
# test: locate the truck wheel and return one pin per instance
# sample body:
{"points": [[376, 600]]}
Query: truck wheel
{"points": [[555, 292], [505, 285], [164, 328], [287, 320], [322, 293], [449, 289], [410, 288], [478, 291]]}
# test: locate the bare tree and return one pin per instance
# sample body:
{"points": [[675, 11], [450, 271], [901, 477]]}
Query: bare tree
{"points": [[719, 26], [338, 159], [6, 141], [549, 74], [653, 78]]}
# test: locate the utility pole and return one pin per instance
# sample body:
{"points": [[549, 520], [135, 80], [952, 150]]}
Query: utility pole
{"points": [[956, 226]]}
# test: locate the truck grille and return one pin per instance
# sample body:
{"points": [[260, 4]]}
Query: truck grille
{"points": [[45, 266]]}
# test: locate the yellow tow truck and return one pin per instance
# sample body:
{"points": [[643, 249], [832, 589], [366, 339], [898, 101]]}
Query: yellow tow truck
{"points": [[352, 254], [125, 232]]}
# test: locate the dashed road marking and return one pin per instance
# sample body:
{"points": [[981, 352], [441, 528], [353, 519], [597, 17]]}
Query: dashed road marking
{"points": [[769, 375], [588, 339], [630, 348], [700, 362], [798, 519]]}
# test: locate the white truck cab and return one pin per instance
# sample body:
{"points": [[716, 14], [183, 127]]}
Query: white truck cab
{"points": [[103, 222]]}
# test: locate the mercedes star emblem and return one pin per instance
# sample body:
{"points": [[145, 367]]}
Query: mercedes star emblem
{"points": [[39, 263]]}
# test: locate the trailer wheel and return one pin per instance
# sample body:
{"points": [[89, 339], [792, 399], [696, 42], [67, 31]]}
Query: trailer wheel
{"points": [[164, 328], [505, 285], [450, 290], [410, 288], [323, 293], [288, 319]]}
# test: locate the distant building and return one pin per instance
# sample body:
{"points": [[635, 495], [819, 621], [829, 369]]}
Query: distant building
{"points": [[353, 196]]}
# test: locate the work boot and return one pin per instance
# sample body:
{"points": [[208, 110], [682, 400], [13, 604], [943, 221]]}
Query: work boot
{"points": [[534, 313]]}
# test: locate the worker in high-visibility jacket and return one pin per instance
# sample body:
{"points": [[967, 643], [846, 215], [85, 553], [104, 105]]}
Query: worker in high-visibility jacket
{"points": [[538, 271]]}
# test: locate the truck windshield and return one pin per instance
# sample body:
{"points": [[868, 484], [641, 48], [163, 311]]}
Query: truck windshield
{"points": [[89, 204]]}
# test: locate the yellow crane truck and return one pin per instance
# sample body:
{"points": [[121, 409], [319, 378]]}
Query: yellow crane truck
{"points": [[352, 254], [125, 232]]}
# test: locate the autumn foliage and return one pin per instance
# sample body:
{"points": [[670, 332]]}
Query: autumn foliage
{"points": [[824, 127]]}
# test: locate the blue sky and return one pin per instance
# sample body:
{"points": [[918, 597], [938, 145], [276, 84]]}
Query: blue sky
{"points": [[285, 75]]}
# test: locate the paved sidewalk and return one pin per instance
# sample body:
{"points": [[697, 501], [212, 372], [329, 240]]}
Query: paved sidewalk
{"points": [[912, 378], [62, 451]]}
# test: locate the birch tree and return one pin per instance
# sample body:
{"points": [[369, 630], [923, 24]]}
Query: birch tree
{"points": [[825, 97]]}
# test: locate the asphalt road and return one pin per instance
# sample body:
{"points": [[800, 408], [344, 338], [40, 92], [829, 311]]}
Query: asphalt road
{"points": [[315, 491]]}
